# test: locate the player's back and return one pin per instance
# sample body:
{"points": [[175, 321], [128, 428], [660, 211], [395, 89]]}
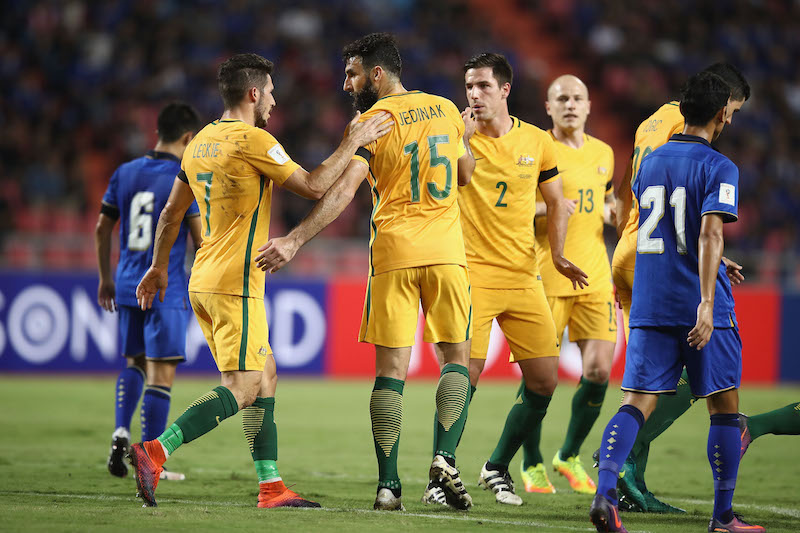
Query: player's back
{"points": [[414, 180], [499, 204], [651, 133], [139, 189], [230, 167], [678, 184]]}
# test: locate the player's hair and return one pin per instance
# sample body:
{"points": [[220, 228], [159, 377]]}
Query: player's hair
{"points": [[501, 68], [702, 97], [239, 73], [176, 119], [376, 49], [740, 89]]}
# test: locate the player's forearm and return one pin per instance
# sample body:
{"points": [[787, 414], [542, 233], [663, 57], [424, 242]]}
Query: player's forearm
{"points": [[324, 212], [167, 230], [610, 211], [541, 209], [321, 178], [557, 219], [466, 166], [102, 243], [709, 250]]}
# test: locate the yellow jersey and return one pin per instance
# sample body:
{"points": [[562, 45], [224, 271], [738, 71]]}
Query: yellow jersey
{"points": [[499, 204], [413, 174], [230, 167], [650, 134], [586, 177]]}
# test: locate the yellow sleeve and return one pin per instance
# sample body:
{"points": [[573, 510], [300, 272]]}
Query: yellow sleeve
{"points": [[549, 166], [364, 153], [610, 167], [269, 158]]}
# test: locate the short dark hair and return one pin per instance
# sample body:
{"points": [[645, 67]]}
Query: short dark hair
{"points": [[239, 73], [501, 68], [702, 97], [176, 119], [740, 89], [376, 49]]}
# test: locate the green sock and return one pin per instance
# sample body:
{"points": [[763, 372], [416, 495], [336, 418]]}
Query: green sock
{"points": [[436, 423], [586, 404], [452, 402], [668, 409], [531, 450], [386, 412], [526, 414], [258, 422], [203, 415], [783, 421]]}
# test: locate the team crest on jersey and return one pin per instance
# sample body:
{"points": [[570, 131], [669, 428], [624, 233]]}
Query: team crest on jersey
{"points": [[262, 351], [603, 171], [525, 161]]}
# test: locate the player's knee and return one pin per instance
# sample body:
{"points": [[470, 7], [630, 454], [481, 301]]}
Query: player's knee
{"points": [[542, 385], [597, 375], [139, 361], [475, 370]]}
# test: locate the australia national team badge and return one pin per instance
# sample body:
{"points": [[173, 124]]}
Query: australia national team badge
{"points": [[525, 161], [603, 171]]}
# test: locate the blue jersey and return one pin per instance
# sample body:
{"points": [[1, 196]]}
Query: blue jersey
{"points": [[677, 184], [136, 194]]}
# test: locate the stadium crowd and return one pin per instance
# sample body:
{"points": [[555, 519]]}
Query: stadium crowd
{"points": [[81, 84]]}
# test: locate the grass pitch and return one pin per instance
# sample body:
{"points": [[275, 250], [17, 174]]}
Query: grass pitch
{"points": [[55, 434]]}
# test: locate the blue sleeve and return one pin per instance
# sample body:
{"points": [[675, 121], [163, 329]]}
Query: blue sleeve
{"points": [[193, 210], [722, 192], [110, 197]]}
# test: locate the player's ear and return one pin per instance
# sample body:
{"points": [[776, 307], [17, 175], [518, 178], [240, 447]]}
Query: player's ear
{"points": [[186, 138], [505, 90]]}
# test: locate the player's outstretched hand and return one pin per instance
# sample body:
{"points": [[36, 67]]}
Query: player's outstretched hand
{"points": [[372, 129], [153, 282], [733, 270], [106, 295], [469, 123], [702, 330], [570, 205], [577, 276], [276, 253]]}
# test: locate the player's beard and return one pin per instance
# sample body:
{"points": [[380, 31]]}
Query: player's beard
{"points": [[365, 98], [258, 113]]}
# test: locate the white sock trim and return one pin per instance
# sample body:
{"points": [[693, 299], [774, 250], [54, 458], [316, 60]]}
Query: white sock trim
{"points": [[271, 480], [166, 452]]}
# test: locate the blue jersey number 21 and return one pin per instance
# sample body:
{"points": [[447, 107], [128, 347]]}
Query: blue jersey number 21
{"points": [[654, 198]]}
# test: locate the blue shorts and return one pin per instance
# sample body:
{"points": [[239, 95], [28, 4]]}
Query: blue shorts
{"points": [[159, 333], [656, 356]]}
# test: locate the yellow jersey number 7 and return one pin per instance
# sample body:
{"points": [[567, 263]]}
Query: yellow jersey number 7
{"points": [[412, 149]]}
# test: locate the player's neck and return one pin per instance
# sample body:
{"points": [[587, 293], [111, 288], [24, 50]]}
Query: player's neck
{"points": [[573, 139], [245, 114], [391, 88], [170, 148], [497, 126], [705, 132]]}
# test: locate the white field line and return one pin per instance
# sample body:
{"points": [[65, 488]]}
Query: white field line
{"points": [[432, 516], [793, 513]]}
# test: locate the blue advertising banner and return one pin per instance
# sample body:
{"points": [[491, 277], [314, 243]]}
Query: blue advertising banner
{"points": [[51, 322]]}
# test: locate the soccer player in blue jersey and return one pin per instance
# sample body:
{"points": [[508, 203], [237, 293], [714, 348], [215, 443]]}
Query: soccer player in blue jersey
{"points": [[153, 341], [686, 191]]}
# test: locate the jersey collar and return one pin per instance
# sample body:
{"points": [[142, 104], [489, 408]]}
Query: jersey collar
{"points": [[680, 137], [162, 155]]}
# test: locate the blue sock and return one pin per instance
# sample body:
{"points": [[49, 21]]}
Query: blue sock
{"points": [[618, 439], [155, 410], [724, 444], [129, 389]]}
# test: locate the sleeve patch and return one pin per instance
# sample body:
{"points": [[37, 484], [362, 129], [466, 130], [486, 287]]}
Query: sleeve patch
{"points": [[277, 153], [727, 194]]}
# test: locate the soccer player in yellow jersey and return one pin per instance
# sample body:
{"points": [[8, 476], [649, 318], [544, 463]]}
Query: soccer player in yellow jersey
{"points": [[416, 254], [586, 166], [652, 133], [513, 160], [229, 169]]}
